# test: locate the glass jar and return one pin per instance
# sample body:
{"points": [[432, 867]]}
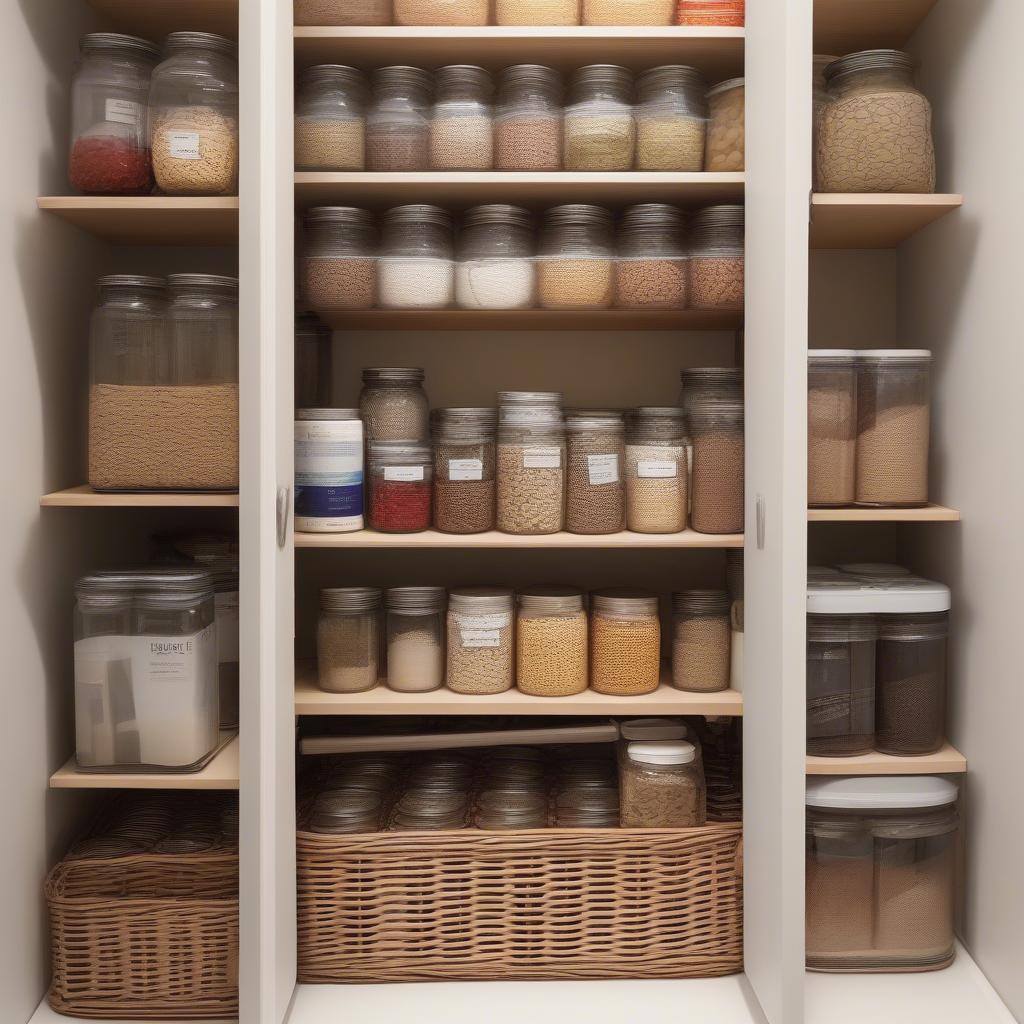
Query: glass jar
{"points": [[661, 785], [671, 118], [393, 404], [625, 642], [194, 109], [819, 99], [716, 502], [600, 130], [716, 258], [881, 860], [587, 806], [720, 13], [575, 267], [875, 132], [461, 125], [734, 584], [531, 463], [400, 474], [339, 265], [595, 486], [480, 646], [146, 684], [537, 12], [330, 119], [328, 470], [430, 811], [398, 120], [415, 637], [417, 258], [551, 642], [343, 12], [346, 812], [831, 427], [528, 115], [726, 131], [110, 116], [656, 471], [442, 12], [893, 427], [709, 383], [701, 640], [650, 259], [509, 810], [628, 12], [495, 268], [312, 362], [348, 639], [464, 470]]}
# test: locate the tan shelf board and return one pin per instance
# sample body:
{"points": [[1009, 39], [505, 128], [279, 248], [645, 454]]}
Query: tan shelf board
{"points": [[153, 19], [844, 26], [946, 761], [84, 496], [841, 220], [493, 539], [928, 514], [717, 52], [220, 773], [151, 220]]}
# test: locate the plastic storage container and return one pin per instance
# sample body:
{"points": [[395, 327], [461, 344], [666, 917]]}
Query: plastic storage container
{"points": [[110, 116], [328, 470], [701, 640], [716, 258], [671, 119], [723, 13], [393, 404], [442, 12], [661, 785], [194, 110], [417, 258], [831, 427], [398, 120], [343, 12], [537, 12], [625, 642], [399, 474], [575, 258], [656, 471], [330, 119], [726, 131], [600, 129], [464, 470], [650, 258], [551, 642], [481, 648], [415, 638], [339, 264], [461, 120], [595, 481], [716, 499], [495, 268], [313, 360], [875, 132], [881, 856], [528, 118], [628, 12], [349, 639]]}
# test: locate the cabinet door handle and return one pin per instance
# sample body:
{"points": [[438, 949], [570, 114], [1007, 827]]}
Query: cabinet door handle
{"points": [[284, 500], [761, 513]]}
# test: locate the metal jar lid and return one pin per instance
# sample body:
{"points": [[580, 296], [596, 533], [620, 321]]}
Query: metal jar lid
{"points": [[700, 602], [96, 42], [352, 215], [402, 75], [583, 423], [178, 41], [581, 214], [870, 60], [554, 398], [717, 218], [185, 282], [552, 600], [726, 86], [606, 76], [498, 213], [695, 376], [624, 601], [415, 599], [132, 281], [480, 600], [330, 74], [671, 76], [418, 213], [655, 215], [529, 74], [393, 375], [399, 453], [471, 75], [716, 412], [327, 414], [350, 599]]}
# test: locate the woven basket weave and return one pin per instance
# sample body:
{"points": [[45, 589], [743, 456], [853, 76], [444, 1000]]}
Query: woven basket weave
{"points": [[473, 905]]}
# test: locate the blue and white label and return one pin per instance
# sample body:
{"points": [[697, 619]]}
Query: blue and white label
{"points": [[328, 477]]}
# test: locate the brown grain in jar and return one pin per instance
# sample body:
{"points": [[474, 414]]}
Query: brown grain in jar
{"points": [[650, 258], [716, 258], [398, 120], [551, 642], [595, 488], [625, 642], [393, 404], [656, 471], [574, 264], [537, 12], [528, 119], [480, 640], [338, 269], [464, 470], [831, 427], [701, 640], [343, 12], [442, 12], [716, 429]]}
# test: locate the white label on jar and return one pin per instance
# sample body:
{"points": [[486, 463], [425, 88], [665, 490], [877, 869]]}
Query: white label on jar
{"points": [[183, 145], [481, 638], [659, 470], [226, 617], [465, 469], [603, 469], [497, 620], [542, 458], [403, 472], [123, 112]]}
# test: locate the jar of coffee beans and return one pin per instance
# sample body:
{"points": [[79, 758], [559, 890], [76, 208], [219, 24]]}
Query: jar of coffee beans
{"points": [[575, 265], [399, 485], [528, 119], [551, 642], [716, 258], [417, 258], [671, 117], [700, 640], [480, 647], [415, 638], [398, 120], [650, 259], [393, 405], [461, 125], [349, 639], [595, 487], [600, 130], [338, 269], [625, 642], [330, 119], [716, 504], [464, 469], [656, 471]]}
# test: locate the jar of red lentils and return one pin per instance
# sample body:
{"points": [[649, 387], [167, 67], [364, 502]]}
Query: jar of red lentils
{"points": [[625, 642], [400, 475]]}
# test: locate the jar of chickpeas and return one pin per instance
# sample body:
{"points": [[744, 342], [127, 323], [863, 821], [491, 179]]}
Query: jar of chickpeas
{"points": [[625, 642], [551, 642]]}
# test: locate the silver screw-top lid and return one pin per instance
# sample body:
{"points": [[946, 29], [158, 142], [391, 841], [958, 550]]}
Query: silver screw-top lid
{"points": [[393, 375], [624, 601], [870, 60], [551, 600], [415, 599], [327, 414], [178, 41], [480, 600], [350, 599], [700, 602], [132, 281]]}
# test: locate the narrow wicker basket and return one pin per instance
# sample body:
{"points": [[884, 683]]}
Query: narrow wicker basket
{"points": [[553, 903], [146, 936]]}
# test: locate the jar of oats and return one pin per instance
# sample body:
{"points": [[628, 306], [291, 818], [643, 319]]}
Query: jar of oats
{"points": [[595, 485], [625, 642], [442, 12], [343, 12], [716, 258], [528, 119], [650, 258], [464, 469], [393, 405], [417, 258], [537, 12], [716, 502], [338, 269], [495, 267], [671, 116], [600, 130], [415, 638], [551, 642], [348, 639], [628, 12], [480, 641], [461, 121], [330, 119], [701, 640], [398, 120], [831, 427], [656, 471], [726, 134], [575, 258]]}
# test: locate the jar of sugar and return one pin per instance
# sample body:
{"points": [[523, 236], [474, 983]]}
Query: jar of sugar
{"points": [[495, 267], [415, 638], [417, 258]]}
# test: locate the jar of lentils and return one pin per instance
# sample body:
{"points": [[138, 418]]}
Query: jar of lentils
{"points": [[726, 128], [393, 404], [716, 504], [625, 642], [701, 640], [528, 119], [671, 117], [480, 646], [495, 268], [339, 260], [600, 130], [330, 119], [464, 469], [595, 488], [343, 12], [461, 125], [656, 471], [551, 642], [716, 258], [575, 265], [650, 259], [399, 474], [415, 638], [628, 12], [398, 120], [349, 639], [417, 258]]}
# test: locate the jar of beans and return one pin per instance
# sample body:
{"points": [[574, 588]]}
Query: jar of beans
{"points": [[551, 642], [528, 119], [343, 12], [398, 120], [393, 404], [330, 119], [110, 115], [339, 259], [312, 362], [656, 471], [893, 427], [724, 13], [442, 12], [464, 469], [495, 268], [537, 12], [480, 647], [399, 474], [716, 258], [831, 427], [700, 383], [595, 487], [417, 258], [349, 639], [716, 502], [628, 12], [671, 116], [625, 642], [415, 638], [700, 640], [726, 132], [600, 130], [650, 259], [461, 121], [575, 265]]}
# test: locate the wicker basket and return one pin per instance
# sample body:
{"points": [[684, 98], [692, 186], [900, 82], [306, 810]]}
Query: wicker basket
{"points": [[472, 905], [148, 936]]}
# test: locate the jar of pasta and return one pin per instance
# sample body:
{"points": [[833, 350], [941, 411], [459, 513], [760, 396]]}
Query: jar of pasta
{"points": [[528, 119], [398, 120], [600, 130], [338, 268], [716, 258], [701, 640], [574, 261], [461, 125], [551, 642], [671, 116], [348, 639], [726, 128], [656, 471], [716, 505], [625, 642], [650, 258], [330, 119], [480, 647], [464, 469], [595, 486]]}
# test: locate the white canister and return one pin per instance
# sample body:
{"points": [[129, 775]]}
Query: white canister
{"points": [[328, 470]]}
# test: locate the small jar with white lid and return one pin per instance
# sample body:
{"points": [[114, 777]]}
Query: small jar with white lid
{"points": [[661, 785], [399, 475], [328, 470], [831, 427], [625, 642], [656, 470], [726, 128], [461, 120], [398, 120], [716, 258], [415, 638], [495, 268], [417, 258], [701, 640], [644, 730], [349, 639], [480, 640], [339, 261], [393, 404], [330, 119], [600, 129], [671, 119], [528, 119], [551, 642], [651, 259], [575, 258]]}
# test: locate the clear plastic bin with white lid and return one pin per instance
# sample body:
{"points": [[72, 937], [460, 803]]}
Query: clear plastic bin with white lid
{"points": [[661, 785]]}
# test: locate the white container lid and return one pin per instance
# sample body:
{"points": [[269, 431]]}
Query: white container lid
{"points": [[877, 793], [653, 729], [902, 595], [894, 353], [832, 353], [664, 752]]}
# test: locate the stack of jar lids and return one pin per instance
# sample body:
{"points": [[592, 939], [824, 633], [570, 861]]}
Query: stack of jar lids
{"points": [[415, 599], [156, 584], [654, 729], [346, 811], [507, 809], [430, 810], [350, 599], [700, 602]]}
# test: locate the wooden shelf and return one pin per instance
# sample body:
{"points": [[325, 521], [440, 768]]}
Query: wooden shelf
{"points": [[220, 773], [535, 189], [717, 52], [844, 26], [946, 761], [45, 1015], [85, 497], [928, 514], [153, 19], [151, 220], [842, 220], [493, 539]]}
